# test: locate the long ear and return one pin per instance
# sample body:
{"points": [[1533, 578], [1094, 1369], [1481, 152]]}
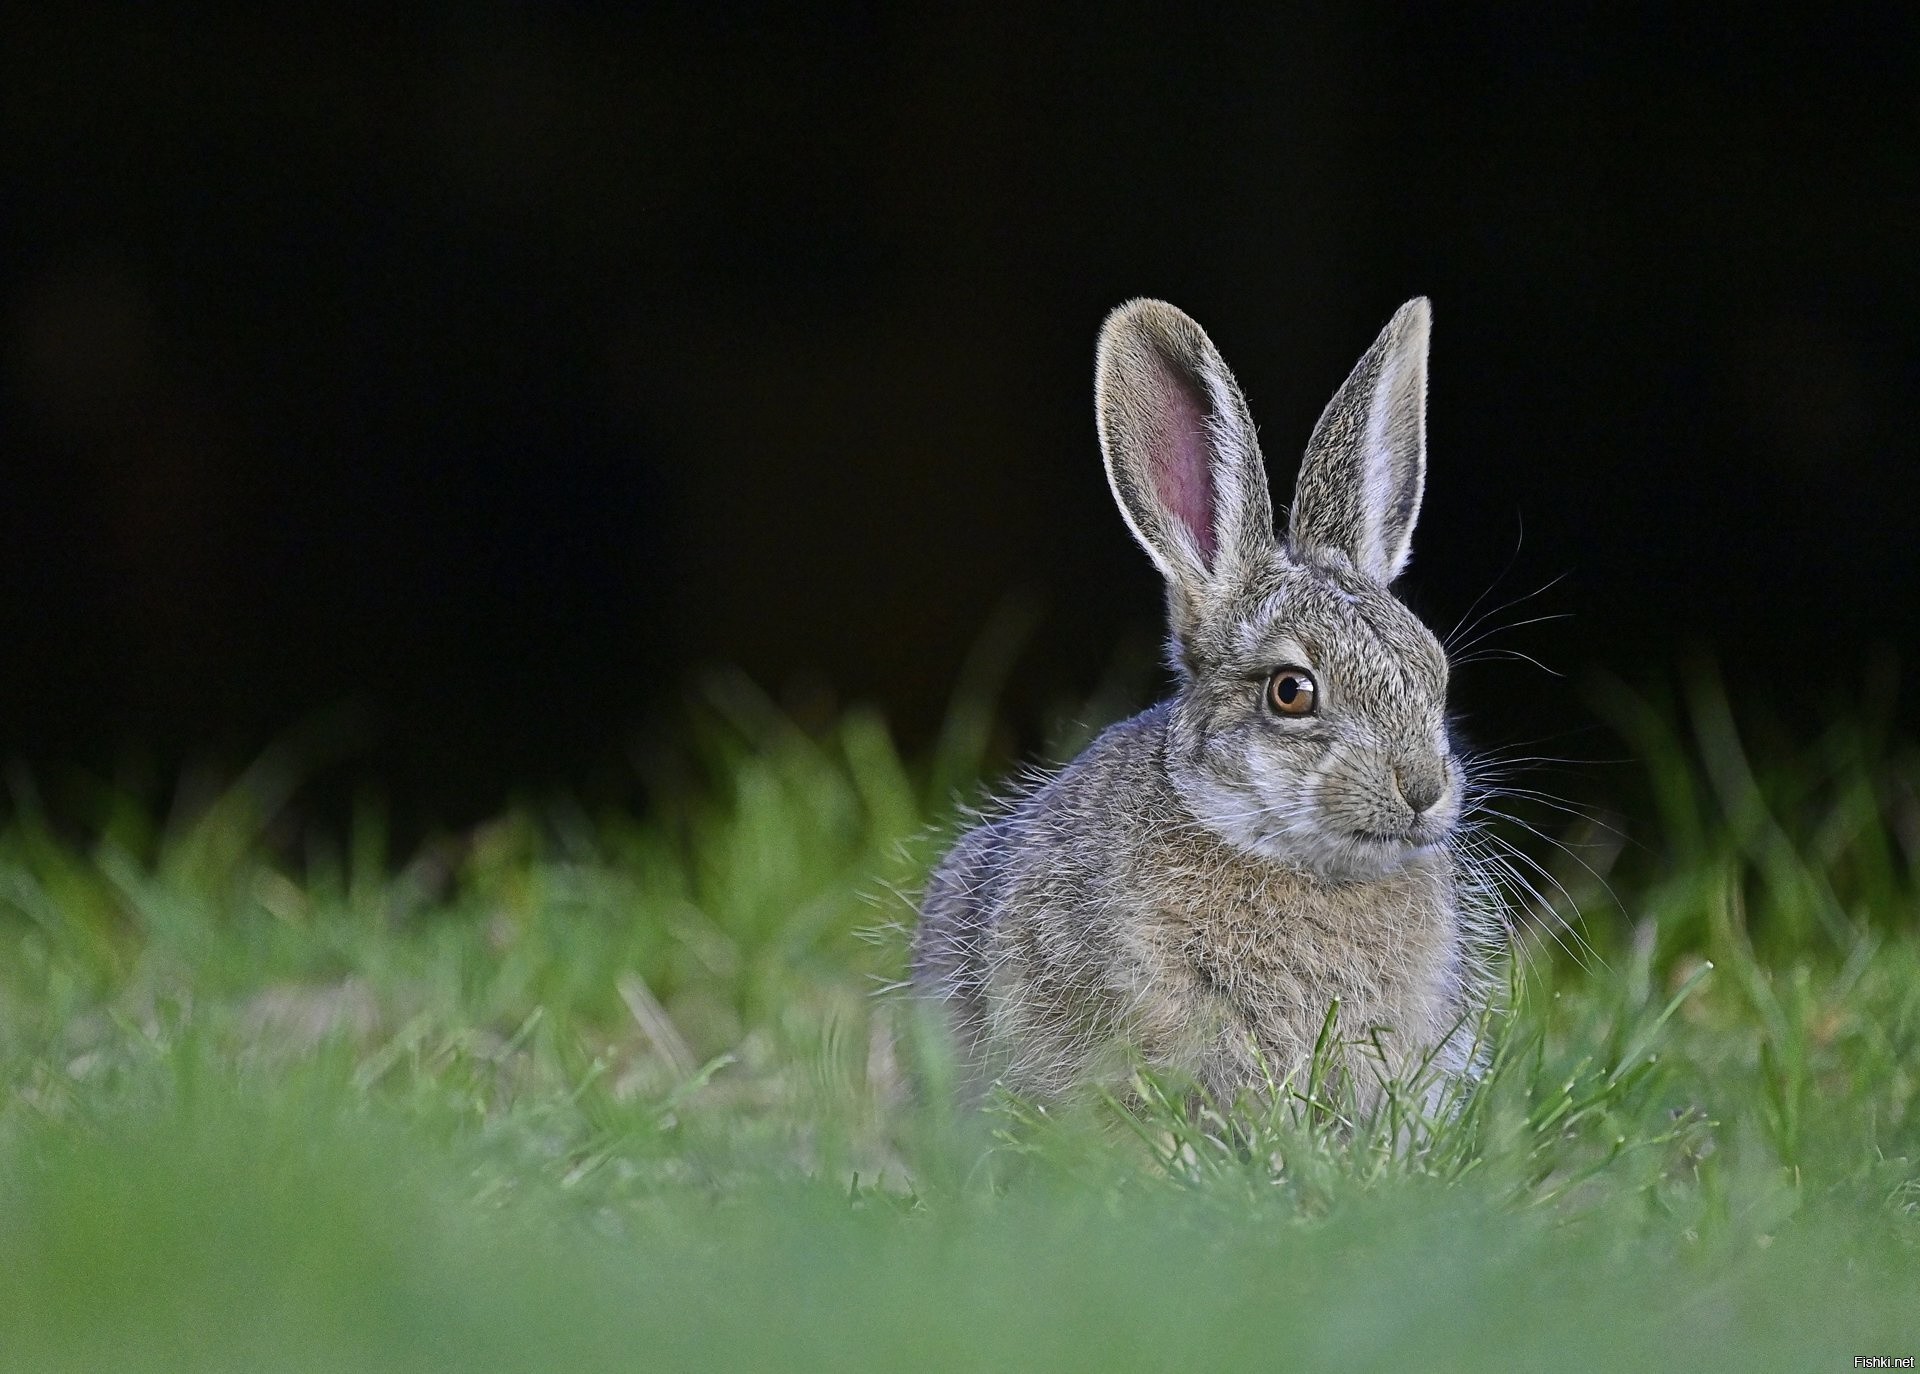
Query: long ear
{"points": [[1366, 465], [1180, 451]]}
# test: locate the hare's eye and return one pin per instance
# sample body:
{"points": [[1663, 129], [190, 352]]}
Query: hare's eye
{"points": [[1290, 692]]}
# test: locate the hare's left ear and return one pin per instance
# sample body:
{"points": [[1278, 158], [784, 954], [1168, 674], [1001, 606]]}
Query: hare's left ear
{"points": [[1180, 451], [1359, 487]]}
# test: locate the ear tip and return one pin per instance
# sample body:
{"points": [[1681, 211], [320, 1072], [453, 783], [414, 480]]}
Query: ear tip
{"points": [[1144, 314], [1409, 331], [1147, 328]]}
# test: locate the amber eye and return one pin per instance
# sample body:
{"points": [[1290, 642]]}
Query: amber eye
{"points": [[1290, 692]]}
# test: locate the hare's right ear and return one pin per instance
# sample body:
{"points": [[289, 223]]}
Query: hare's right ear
{"points": [[1365, 468], [1180, 451]]}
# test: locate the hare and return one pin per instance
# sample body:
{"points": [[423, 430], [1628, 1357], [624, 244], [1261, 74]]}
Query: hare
{"points": [[1207, 880]]}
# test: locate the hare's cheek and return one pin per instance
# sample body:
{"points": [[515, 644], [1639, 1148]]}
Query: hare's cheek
{"points": [[1282, 767]]}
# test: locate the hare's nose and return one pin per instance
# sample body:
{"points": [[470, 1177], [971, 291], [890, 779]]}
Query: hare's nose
{"points": [[1419, 790]]}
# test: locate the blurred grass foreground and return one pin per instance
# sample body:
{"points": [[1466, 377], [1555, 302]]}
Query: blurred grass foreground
{"points": [[580, 1092]]}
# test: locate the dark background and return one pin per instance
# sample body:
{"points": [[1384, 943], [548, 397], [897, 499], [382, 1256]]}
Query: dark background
{"points": [[490, 370]]}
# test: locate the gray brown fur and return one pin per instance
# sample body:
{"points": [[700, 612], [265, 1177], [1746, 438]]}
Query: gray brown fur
{"points": [[1200, 886]]}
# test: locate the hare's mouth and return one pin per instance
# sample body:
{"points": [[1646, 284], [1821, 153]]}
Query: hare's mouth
{"points": [[1378, 836], [1410, 839], [1377, 853], [1426, 832]]}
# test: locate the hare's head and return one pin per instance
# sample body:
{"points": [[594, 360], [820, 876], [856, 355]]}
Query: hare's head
{"points": [[1310, 725]]}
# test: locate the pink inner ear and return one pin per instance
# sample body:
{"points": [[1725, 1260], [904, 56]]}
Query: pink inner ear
{"points": [[1182, 463]]}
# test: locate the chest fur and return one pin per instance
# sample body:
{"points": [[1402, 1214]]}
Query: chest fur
{"points": [[1265, 952]]}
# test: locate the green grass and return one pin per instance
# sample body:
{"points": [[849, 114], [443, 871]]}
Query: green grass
{"points": [[582, 1092]]}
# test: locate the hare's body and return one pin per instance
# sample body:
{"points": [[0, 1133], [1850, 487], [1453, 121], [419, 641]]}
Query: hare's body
{"points": [[1209, 880], [1097, 921]]}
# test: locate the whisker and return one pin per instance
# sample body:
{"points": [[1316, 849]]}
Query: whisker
{"points": [[1519, 538], [1500, 655], [1454, 635], [1564, 848], [1556, 804], [1493, 630], [1550, 920]]}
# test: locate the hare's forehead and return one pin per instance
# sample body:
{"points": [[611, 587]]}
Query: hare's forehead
{"points": [[1360, 632]]}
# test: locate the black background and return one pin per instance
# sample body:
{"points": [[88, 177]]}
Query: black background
{"points": [[490, 370]]}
